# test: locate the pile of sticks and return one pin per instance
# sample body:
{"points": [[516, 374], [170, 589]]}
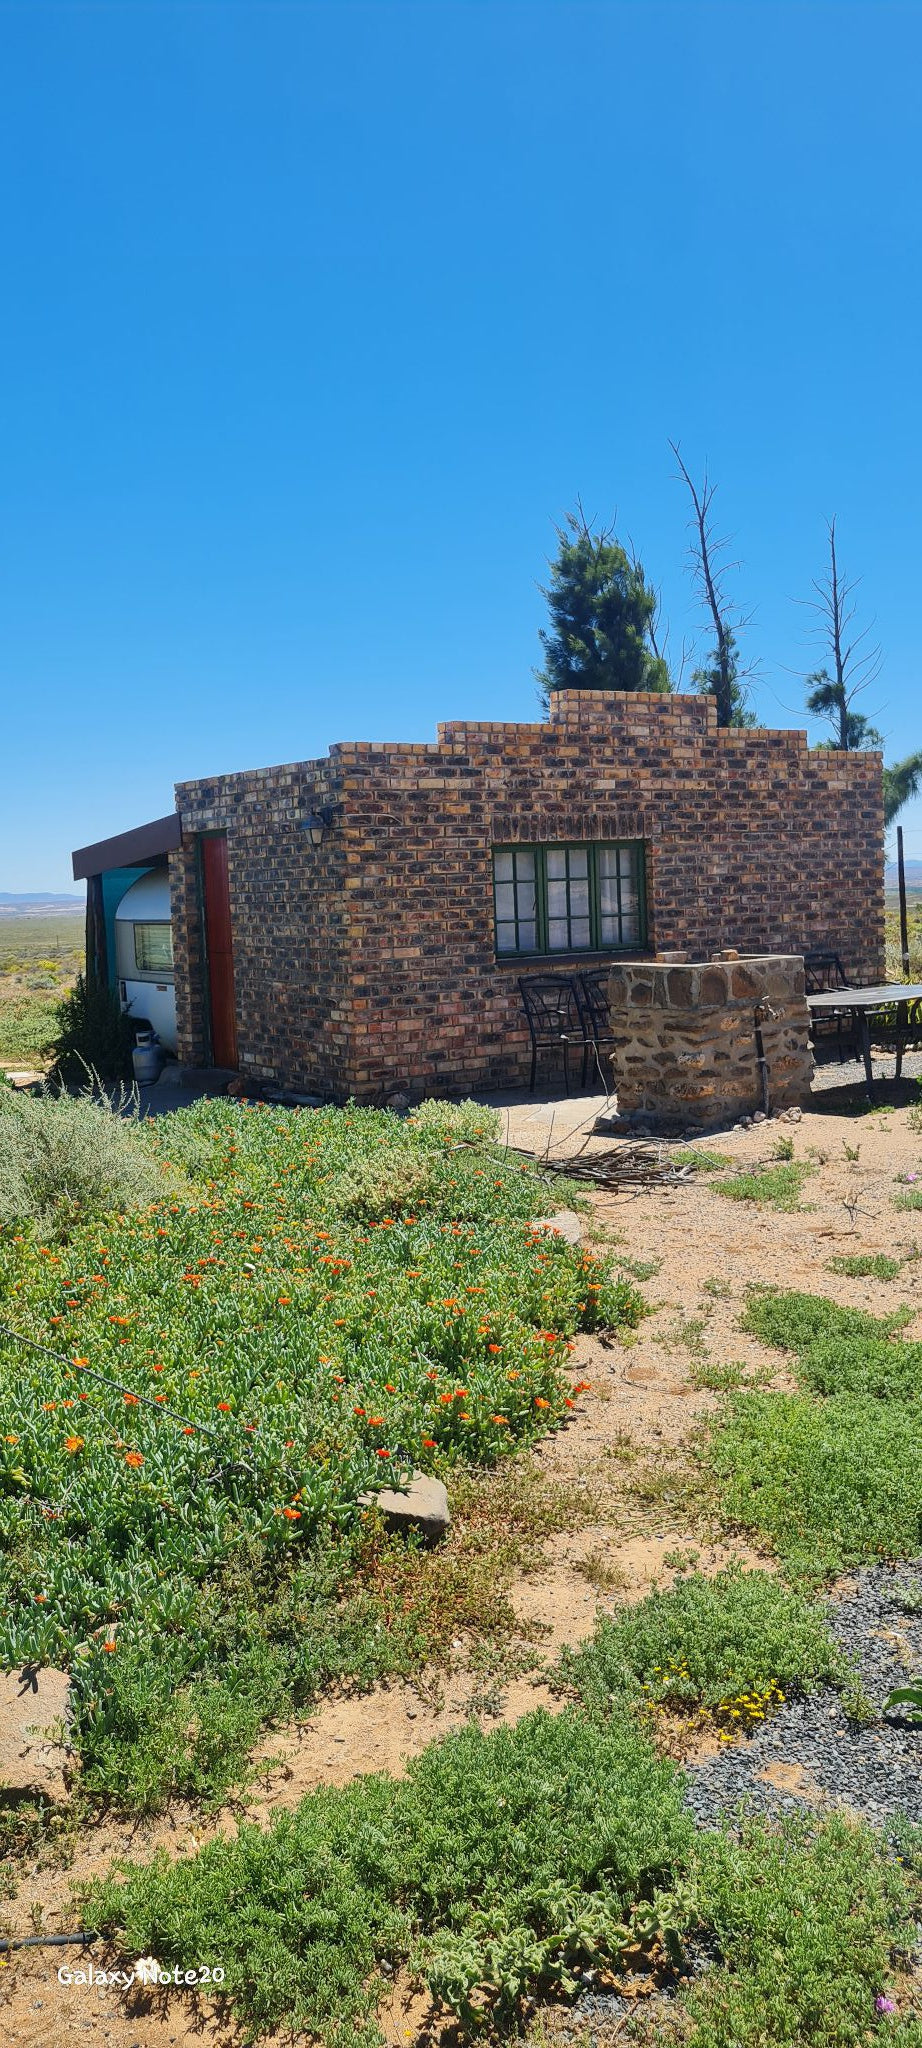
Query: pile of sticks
{"points": [[622, 1166]]}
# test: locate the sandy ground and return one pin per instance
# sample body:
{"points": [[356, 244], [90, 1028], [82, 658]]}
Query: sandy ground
{"points": [[642, 1405]]}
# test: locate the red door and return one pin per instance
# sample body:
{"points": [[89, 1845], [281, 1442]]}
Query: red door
{"points": [[219, 949]]}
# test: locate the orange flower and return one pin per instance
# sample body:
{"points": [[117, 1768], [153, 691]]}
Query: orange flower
{"points": [[502, 1420], [188, 1431], [540, 1402], [428, 1443], [292, 1514], [375, 1421], [110, 1645], [224, 1407], [119, 1319], [131, 1400], [284, 1300], [73, 1443], [494, 1347], [383, 1454], [134, 1459], [49, 1407]]}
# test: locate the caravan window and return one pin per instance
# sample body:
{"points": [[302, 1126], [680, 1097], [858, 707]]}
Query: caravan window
{"points": [[153, 948]]}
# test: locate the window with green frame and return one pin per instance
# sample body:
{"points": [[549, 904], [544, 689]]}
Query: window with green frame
{"points": [[569, 899]]}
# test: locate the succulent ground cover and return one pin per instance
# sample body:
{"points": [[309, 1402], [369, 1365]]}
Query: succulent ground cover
{"points": [[283, 1333], [831, 1475]]}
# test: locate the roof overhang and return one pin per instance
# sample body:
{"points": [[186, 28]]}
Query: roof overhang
{"points": [[128, 849]]}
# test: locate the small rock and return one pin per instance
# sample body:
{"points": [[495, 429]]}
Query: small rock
{"points": [[760, 1117], [566, 1223], [422, 1505], [35, 1708]]}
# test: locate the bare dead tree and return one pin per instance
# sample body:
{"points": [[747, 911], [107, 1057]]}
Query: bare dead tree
{"points": [[854, 665], [659, 631], [710, 568]]}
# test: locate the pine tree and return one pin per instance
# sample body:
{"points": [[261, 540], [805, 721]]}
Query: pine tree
{"points": [[602, 610]]}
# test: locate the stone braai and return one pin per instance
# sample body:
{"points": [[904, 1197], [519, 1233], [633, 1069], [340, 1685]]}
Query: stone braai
{"points": [[367, 966], [692, 1039]]}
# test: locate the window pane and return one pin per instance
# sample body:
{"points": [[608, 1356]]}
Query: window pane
{"points": [[558, 934], [626, 859], [556, 899], [153, 947], [505, 938], [630, 931], [608, 895], [579, 860], [525, 863], [528, 938], [556, 857], [505, 899], [579, 931], [527, 899], [579, 899], [607, 858], [502, 866], [609, 930]]}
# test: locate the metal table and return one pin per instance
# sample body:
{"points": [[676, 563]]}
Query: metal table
{"points": [[860, 1004]]}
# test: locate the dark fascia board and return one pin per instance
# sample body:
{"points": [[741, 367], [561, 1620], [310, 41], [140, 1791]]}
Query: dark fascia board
{"points": [[127, 849]]}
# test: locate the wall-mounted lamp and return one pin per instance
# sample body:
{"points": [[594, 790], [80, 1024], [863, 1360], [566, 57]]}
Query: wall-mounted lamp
{"points": [[315, 825]]}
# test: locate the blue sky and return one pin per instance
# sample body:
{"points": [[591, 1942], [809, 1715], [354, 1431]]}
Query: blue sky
{"points": [[316, 318]]}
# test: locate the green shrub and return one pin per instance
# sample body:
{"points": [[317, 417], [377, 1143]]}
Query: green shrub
{"points": [[807, 1918], [714, 1643], [697, 1155], [93, 1033], [501, 1859], [457, 1123], [838, 1349], [67, 1158], [780, 1186], [866, 1266], [401, 1185], [830, 1483], [912, 1200]]}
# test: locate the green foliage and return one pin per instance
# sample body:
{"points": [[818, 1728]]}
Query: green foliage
{"points": [[912, 1200], [708, 681], [853, 731], [93, 1033], [866, 1266], [601, 612], [181, 1562], [458, 1123], [780, 1186], [710, 1642], [830, 1483], [907, 1696], [697, 1155], [503, 1860], [807, 1918], [838, 1349], [902, 781], [66, 1159]]}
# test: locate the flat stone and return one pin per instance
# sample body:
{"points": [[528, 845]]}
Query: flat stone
{"points": [[565, 1221], [35, 1711], [422, 1505]]}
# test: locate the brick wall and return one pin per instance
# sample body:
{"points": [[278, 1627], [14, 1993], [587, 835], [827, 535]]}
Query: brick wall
{"points": [[368, 964]]}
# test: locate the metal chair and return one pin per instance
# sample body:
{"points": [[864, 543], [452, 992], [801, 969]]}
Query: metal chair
{"points": [[823, 970], [552, 1008], [592, 996]]}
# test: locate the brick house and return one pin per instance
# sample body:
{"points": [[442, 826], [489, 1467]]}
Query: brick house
{"points": [[357, 925]]}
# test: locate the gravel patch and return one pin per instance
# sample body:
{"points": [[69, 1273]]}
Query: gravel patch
{"points": [[814, 1754]]}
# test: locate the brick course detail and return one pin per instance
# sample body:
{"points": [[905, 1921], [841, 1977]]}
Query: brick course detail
{"points": [[366, 966]]}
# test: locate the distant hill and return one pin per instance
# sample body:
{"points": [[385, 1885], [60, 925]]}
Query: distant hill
{"points": [[913, 870], [37, 904]]}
